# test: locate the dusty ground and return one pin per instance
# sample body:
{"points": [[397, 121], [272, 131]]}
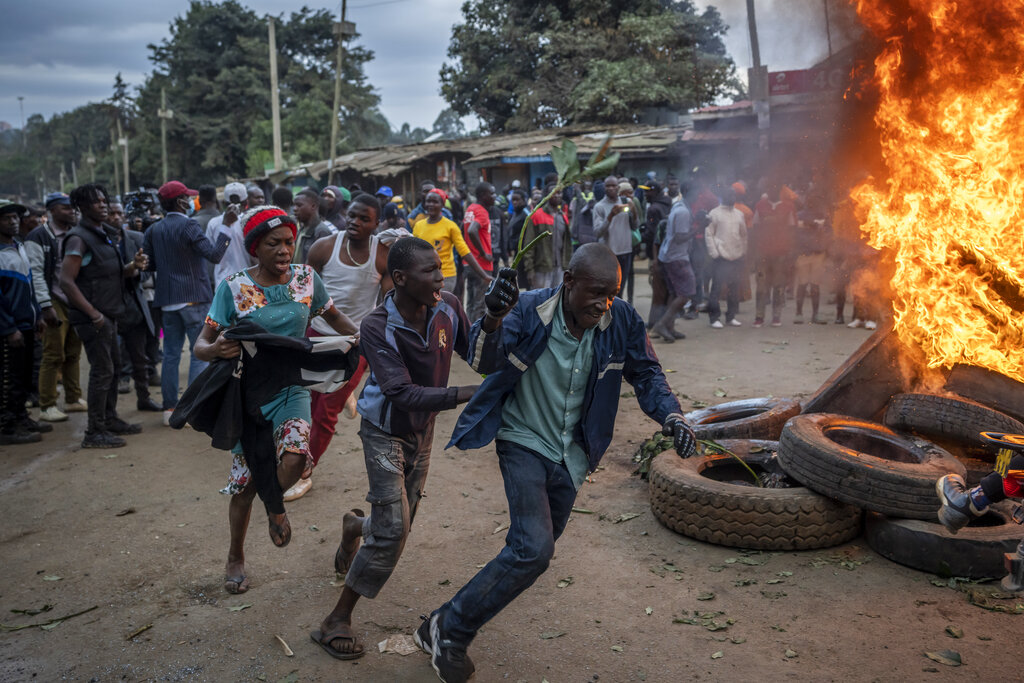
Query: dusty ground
{"points": [[161, 564]]}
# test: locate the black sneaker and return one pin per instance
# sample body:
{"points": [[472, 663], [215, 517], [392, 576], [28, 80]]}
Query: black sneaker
{"points": [[449, 660], [19, 436], [102, 440], [30, 425], [422, 636], [958, 508], [118, 426]]}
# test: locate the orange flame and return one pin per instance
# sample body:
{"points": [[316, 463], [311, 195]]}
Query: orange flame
{"points": [[951, 91]]}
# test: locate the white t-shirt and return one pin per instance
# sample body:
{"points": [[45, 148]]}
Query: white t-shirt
{"points": [[235, 258]]}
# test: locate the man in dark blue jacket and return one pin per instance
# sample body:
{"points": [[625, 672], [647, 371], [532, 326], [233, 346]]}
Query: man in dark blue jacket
{"points": [[554, 362], [177, 249]]}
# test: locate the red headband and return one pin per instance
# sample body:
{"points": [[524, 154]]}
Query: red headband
{"points": [[262, 220]]}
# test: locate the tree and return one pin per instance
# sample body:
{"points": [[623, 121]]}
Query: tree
{"points": [[215, 67], [526, 64], [449, 125]]}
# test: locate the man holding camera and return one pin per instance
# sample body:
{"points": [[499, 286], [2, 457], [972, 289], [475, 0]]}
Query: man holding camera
{"points": [[554, 361], [235, 258]]}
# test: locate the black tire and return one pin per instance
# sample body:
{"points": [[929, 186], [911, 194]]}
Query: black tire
{"points": [[958, 419], [975, 552], [865, 464], [752, 418], [717, 510]]}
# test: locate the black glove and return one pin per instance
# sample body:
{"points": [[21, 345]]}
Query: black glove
{"points": [[683, 438], [502, 294]]}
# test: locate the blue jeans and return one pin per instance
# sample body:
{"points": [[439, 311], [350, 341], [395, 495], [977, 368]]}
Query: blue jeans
{"points": [[540, 495], [178, 324]]}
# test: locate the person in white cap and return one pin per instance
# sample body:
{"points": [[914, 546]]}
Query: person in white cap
{"points": [[236, 258]]}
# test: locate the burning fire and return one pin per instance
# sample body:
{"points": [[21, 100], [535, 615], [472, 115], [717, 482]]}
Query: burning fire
{"points": [[951, 86]]}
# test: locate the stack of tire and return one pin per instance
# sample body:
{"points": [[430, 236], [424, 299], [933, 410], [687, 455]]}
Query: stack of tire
{"points": [[842, 466]]}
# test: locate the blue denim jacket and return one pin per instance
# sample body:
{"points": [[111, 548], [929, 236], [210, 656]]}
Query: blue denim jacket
{"points": [[621, 351]]}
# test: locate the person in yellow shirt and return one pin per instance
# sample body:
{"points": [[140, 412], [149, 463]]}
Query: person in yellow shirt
{"points": [[445, 236]]}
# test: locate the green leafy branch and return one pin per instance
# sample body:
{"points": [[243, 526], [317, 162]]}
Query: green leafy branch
{"points": [[719, 448], [567, 165]]}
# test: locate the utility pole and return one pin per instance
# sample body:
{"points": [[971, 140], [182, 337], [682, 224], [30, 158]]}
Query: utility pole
{"points": [[122, 140], [164, 113], [113, 155], [828, 28], [275, 104], [757, 79], [343, 30], [21, 105]]}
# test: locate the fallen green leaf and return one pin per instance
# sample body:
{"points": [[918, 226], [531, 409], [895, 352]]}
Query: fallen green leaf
{"points": [[314, 527], [707, 595], [715, 568], [567, 581], [616, 648], [548, 635], [53, 577], [239, 608], [648, 611], [784, 574], [293, 677], [717, 655], [745, 582], [737, 641], [583, 511], [947, 657], [954, 632], [108, 456], [52, 625], [720, 393], [790, 654], [446, 582]]}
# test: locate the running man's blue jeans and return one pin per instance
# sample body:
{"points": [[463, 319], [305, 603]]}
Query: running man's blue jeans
{"points": [[540, 495]]}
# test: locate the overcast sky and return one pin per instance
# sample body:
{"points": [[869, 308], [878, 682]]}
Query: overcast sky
{"points": [[60, 54]]}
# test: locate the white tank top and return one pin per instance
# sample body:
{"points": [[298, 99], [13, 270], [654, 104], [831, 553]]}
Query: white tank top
{"points": [[354, 289]]}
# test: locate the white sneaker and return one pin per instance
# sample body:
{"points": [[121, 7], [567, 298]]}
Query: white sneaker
{"points": [[856, 322], [167, 417], [717, 325], [870, 324], [52, 414], [298, 490], [735, 323], [79, 406]]}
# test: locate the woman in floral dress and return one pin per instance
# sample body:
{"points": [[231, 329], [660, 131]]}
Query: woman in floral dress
{"points": [[281, 297]]}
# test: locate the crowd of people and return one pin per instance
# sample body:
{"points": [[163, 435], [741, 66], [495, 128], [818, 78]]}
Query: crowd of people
{"points": [[406, 289]]}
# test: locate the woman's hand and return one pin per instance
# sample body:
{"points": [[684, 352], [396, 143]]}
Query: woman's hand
{"points": [[226, 348]]}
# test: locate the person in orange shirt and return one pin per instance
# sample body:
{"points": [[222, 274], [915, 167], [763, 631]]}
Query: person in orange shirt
{"points": [[445, 235]]}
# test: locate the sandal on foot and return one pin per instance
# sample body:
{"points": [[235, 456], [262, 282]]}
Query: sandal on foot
{"points": [[342, 558], [236, 585], [280, 534], [343, 632]]}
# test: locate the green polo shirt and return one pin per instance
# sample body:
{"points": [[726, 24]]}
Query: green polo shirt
{"points": [[547, 402]]}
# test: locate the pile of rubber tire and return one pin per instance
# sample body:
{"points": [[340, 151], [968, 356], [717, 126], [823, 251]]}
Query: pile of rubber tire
{"points": [[844, 471]]}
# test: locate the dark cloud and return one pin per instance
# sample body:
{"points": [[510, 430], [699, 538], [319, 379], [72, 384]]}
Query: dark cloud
{"points": [[59, 55]]}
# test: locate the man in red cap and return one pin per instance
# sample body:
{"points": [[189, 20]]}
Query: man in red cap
{"points": [[177, 248]]}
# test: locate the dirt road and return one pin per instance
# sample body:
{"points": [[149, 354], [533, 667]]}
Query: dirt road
{"points": [[141, 534]]}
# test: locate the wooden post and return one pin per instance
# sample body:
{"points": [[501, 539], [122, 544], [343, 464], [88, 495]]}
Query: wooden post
{"points": [[275, 105]]}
